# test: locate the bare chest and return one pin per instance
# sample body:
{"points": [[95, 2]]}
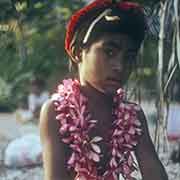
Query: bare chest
{"points": [[103, 129], [104, 120]]}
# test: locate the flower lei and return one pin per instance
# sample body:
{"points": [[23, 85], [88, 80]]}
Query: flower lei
{"points": [[76, 123]]}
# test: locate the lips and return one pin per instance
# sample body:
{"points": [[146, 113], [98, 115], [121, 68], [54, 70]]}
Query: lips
{"points": [[114, 81]]}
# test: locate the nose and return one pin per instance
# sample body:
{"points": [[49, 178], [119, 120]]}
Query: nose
{"points": [[117, 65], [117, 72]]}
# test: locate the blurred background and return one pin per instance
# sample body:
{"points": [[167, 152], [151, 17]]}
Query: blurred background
{"points": [[33, 62]]}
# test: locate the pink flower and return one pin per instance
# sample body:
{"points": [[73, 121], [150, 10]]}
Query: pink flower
{"points": [[75, 124], [94, 156], [126, 169], [96, 148]]}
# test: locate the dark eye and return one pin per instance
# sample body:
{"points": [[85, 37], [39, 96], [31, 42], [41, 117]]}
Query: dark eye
{"points": [[110, 51]]}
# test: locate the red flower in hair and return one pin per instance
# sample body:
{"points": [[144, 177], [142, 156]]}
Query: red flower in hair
{"points": [[78, 15], [97, 4], [128, 5]]}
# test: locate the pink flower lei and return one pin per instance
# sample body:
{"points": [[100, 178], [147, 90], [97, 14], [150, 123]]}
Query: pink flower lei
{"points": [[75, 124]]}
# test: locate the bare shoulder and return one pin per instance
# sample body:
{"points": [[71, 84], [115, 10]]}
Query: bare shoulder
{"points": [[55, 152], [48, 124], [47, 109]]}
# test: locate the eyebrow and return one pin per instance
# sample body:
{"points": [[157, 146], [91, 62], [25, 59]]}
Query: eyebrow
{"points": [[112, 43], [118, 44]]}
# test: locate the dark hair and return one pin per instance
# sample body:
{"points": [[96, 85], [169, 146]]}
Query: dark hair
{"points": [[132, 23]]}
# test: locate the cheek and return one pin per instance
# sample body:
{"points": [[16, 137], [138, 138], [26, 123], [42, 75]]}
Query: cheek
{"points": [[96, 66], [88, 69], [101, 68], [94, 70]]}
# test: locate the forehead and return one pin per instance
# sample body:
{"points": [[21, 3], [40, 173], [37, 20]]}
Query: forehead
{"points": [[118, 39]]}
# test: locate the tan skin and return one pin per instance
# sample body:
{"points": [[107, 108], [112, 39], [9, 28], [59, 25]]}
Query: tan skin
{"points": [[103, 68]]}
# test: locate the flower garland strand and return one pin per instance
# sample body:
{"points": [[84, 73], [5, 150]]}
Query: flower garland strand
{"points": [[76, 123]]}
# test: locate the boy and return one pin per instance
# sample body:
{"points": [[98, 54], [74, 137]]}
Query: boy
{"points": [[99, 129]]}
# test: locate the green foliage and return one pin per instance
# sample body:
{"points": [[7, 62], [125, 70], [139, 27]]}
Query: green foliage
{"points": [[33, 44]]}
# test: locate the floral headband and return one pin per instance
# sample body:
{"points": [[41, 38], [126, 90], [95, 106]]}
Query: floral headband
{"points": [[102, 6]]}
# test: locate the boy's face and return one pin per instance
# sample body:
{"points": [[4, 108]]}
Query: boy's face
{"points": [[108, 62]]}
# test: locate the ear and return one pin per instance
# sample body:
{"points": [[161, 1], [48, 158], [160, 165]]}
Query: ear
{"points": [[76, 54]]}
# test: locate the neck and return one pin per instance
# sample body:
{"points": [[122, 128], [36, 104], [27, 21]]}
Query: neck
{"points": [[95, 96]]}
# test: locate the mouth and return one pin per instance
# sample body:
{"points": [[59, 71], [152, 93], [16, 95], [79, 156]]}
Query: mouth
{"points": [[114, 81]]}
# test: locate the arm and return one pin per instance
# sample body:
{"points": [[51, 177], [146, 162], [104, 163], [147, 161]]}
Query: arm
{"points": [[53, 149], [150, 165]]}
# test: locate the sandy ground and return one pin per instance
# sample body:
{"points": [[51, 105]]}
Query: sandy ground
{"points": [[10, 129]]}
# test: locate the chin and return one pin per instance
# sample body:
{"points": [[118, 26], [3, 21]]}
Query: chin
{"points": [[111, 90], [108, 88], [111, 86]]}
